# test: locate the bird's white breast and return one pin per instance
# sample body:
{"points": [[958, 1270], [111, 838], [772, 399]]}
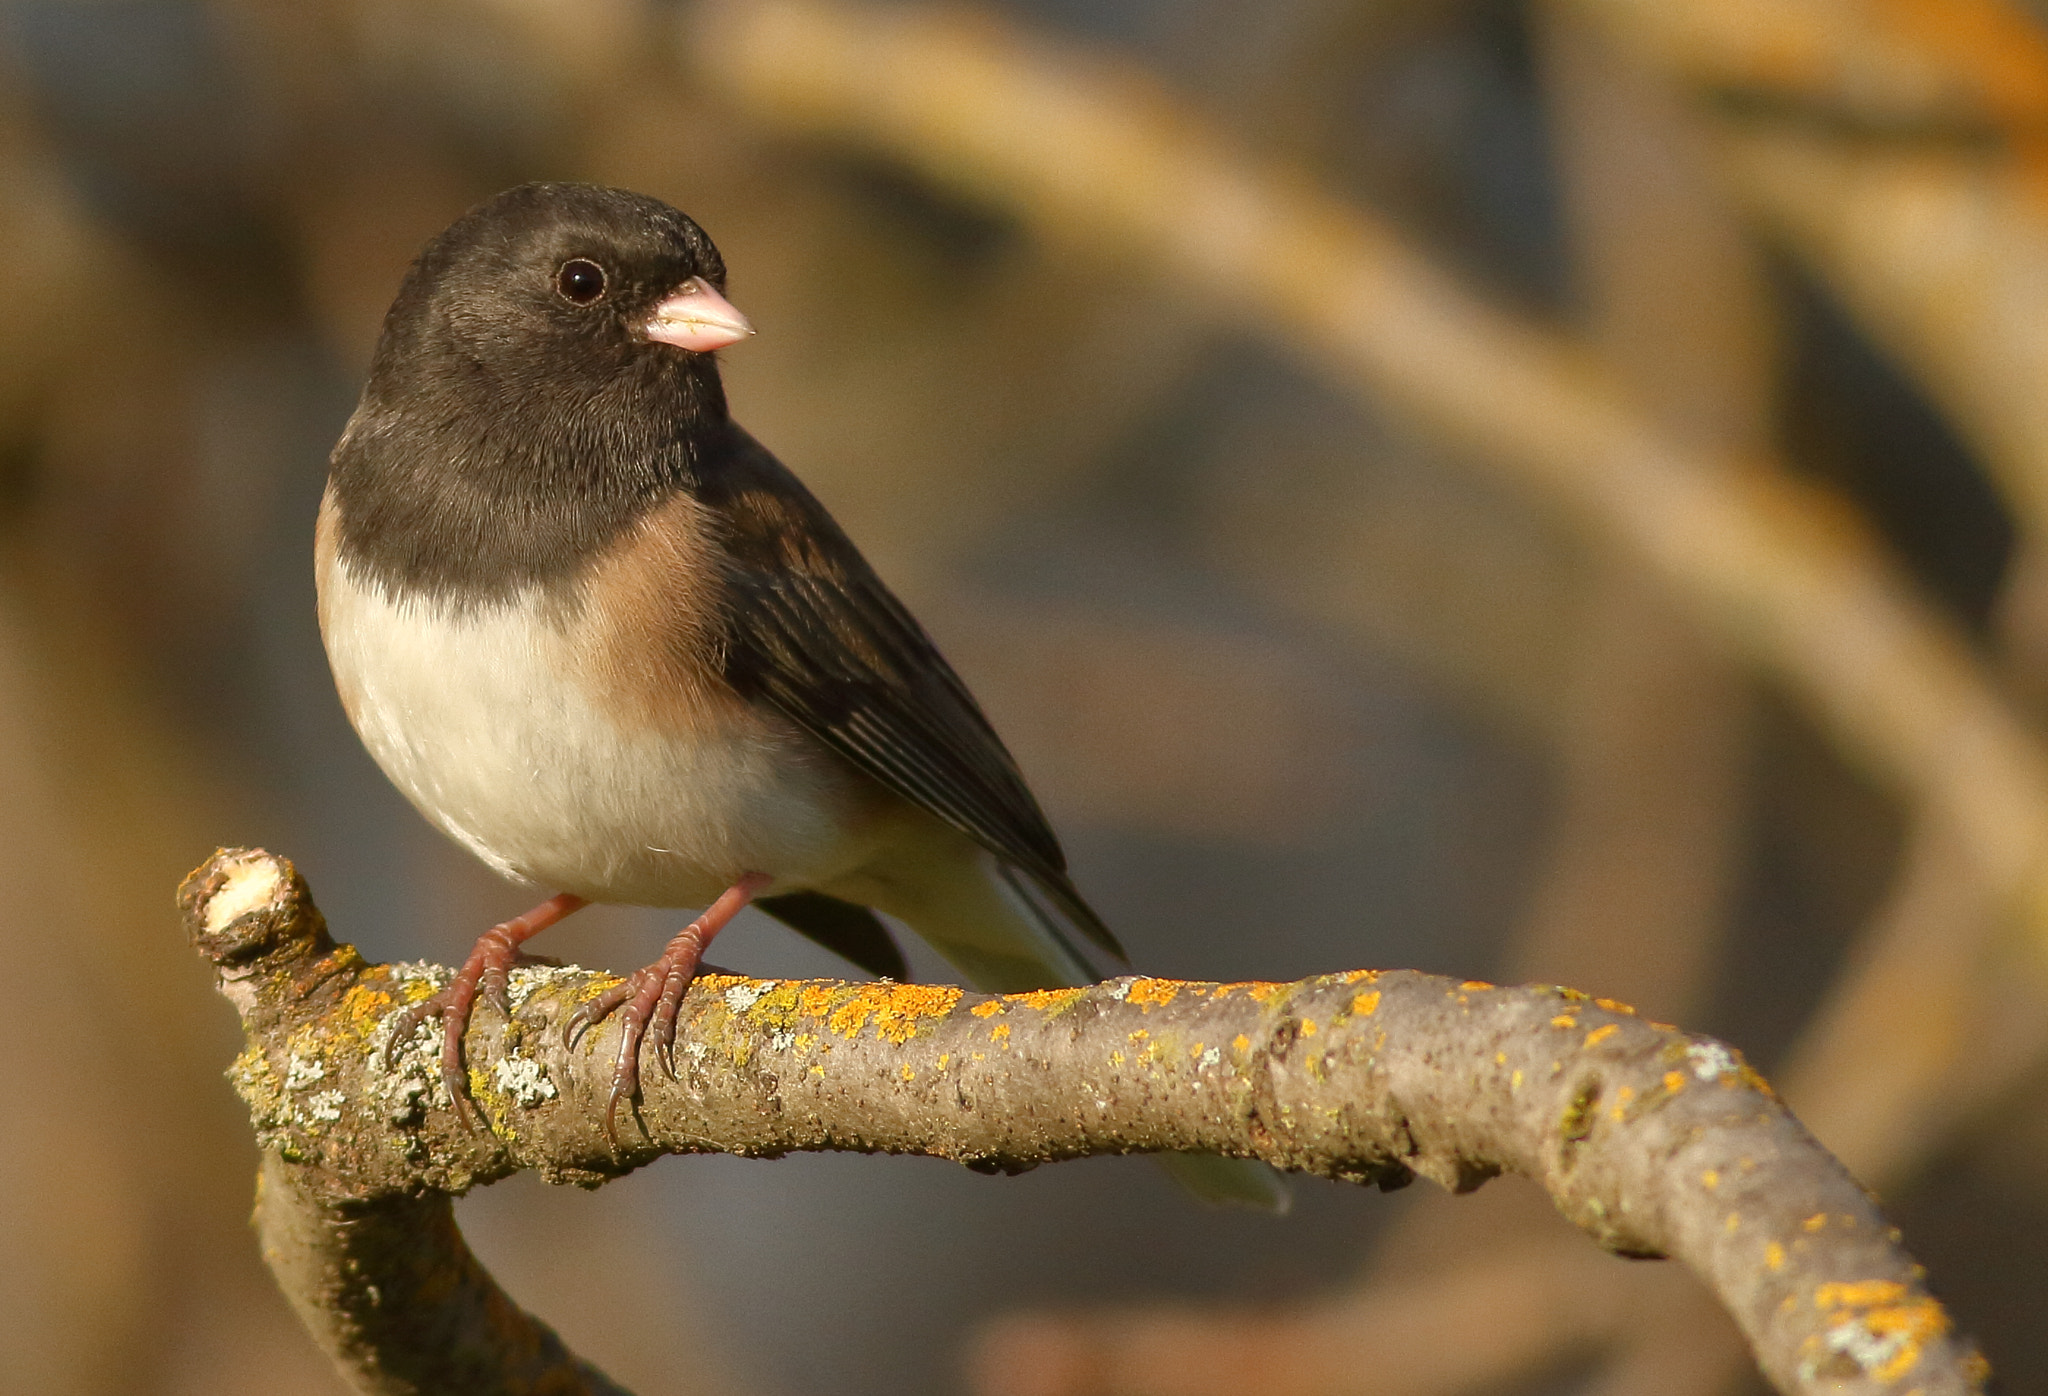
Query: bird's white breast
{"points": [[487, 720]]}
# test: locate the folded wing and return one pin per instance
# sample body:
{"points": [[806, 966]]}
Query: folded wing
{"points": [[816, 634]]}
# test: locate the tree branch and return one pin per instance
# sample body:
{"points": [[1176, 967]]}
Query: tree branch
{"points": [[1653, 1141]]}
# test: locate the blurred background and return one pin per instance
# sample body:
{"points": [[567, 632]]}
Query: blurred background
{"points": [[1521, 489]]}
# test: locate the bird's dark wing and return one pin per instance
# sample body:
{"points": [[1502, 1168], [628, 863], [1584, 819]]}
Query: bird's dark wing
{"points": [[851, 932], [813, 632]]}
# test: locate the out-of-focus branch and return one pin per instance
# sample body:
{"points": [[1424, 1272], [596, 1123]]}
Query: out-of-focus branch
{"points": [[1093, 154], [1652, 780], [1421, 1336], [1940, 252], [1940, 245], [1631, 893], [1651, 1140], [1902, 149], [1917, 69]]}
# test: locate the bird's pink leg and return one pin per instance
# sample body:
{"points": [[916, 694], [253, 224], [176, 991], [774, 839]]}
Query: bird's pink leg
{"points": [[494, 953], [652, 997]]}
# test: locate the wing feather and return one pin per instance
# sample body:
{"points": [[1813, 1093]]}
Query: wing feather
{"points": [[812, 631]]}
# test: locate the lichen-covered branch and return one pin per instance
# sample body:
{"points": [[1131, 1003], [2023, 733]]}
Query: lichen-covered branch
{"points": [[1653, 1141], [388, 1287]]}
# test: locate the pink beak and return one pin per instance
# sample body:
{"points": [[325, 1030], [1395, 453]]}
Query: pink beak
{"points": [[697, 317]]}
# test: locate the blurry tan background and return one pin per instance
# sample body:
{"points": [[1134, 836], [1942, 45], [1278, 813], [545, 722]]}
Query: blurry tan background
{"points": [[1520, 490]]}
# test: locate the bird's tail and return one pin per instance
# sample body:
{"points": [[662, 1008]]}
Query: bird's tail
{"points": [[988, 922]]}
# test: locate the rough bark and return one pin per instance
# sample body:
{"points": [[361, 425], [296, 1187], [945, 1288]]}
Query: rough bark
{"points": [[1653, 1141]]}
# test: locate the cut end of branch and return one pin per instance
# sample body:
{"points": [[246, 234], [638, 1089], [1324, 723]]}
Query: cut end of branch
{"points": [[245, 904]]}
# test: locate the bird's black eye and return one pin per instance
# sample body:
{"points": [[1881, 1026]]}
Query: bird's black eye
{"points": [[580, 281]]}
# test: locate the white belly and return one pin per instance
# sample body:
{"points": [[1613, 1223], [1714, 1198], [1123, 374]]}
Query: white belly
{"points": [[479, 718]]}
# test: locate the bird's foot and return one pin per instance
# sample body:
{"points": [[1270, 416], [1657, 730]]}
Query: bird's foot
{"points": [[648, 1000], [483, 974]]}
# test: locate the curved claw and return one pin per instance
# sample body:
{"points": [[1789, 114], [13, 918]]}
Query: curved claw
{"points": [[404, 1023], [485, 972], [495, 989], [596, 1010], [653, 996], [451, 1006], [455, 1079], [625, 1073], [663, 1028]]}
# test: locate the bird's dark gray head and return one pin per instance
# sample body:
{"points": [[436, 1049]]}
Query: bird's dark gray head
{"points": [[555, 288], [545, 373]]}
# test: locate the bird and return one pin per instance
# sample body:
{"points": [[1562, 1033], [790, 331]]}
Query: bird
{"points": [[606, 641]]}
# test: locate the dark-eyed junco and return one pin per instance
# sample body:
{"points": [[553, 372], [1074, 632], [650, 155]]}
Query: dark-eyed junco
{"points": [[609, 644]]}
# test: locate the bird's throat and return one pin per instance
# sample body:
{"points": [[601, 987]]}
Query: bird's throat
{"points": [[460, 501]]}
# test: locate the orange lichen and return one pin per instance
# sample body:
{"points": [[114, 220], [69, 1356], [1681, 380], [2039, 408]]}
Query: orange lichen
{"points": [[1308, 1027], [1366, 1004], [1622, 1096], [1774, 1256], [1711, 1179], [1668, 1086], [999, 1033], [1816, 1221], [989, 1009], [1147, 992], [1895, 1327], [1615, 1006], [1601, 1034], [1257, 990], [363, 1008], [1048, 1001], [1475, 985], [898, 1012], [1564, 1020], [1857, 1294], [1241, 1043], [1355, 975]]}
